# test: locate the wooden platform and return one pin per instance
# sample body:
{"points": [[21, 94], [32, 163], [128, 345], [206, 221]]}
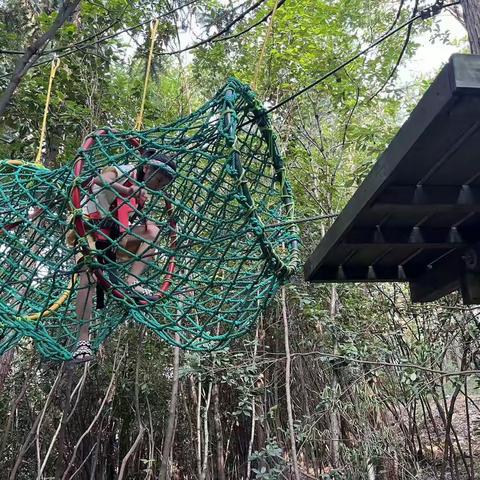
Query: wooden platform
{"points": [[416, 217]]}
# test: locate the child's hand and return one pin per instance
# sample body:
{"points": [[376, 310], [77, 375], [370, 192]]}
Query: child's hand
{"points": [[138, 193], [133, 191], [141, 197]]}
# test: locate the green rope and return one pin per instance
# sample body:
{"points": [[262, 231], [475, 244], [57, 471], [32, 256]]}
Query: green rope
{"points": [[216, 263]]}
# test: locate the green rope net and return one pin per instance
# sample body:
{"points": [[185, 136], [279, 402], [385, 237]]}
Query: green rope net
{"points": [[221, 246]]}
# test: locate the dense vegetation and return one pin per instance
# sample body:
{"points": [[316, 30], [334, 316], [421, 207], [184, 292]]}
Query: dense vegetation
{"points": [[350, 382]]}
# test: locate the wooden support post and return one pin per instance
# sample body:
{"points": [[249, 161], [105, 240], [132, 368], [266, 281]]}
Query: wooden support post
{"points": [[470, 286], [470, 280]]}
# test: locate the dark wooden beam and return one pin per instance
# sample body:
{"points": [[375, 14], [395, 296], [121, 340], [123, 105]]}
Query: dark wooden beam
{"points": [[371, 273], [422, 237], [429, 198]]}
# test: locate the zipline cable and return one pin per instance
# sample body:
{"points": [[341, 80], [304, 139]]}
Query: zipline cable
{"points": [[217, 37]]}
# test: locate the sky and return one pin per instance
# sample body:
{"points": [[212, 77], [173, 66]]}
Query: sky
{"points": [[430, 57]]}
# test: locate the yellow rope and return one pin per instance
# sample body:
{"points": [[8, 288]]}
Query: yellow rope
{"points": [[55, 306], [264, 47], [53, 70], [153, 38]]}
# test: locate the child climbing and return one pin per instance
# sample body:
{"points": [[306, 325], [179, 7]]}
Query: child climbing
{"points": [[114, 210]]}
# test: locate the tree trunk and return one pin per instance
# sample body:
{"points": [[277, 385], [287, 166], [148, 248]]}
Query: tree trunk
{"points": [[252, 426], [291, 430], [51, 150], [170, 432], [62, 446], [471, 14], [206, 436], [218, 433], [199, 429], [5, 365], [335, 426], [141, 427], [27, 442]]}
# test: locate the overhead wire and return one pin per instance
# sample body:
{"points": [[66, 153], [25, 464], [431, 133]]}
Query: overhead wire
{"points": [[425, 13], [250, 27], [217, 37], [400, 56], [226, 29], [81, 45], [107, 37]]}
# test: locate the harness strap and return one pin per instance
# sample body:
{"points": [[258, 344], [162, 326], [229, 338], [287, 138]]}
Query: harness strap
{"points": [[108, 253]]}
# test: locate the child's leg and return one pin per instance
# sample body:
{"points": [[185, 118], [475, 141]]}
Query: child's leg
{"points": [[143, 247], [84, 309]]}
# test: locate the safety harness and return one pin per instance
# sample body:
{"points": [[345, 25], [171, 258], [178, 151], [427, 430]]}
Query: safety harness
{"points": [[109, 227]]}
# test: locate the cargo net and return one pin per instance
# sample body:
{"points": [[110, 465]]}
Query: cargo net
{"points": [[220, 238]]}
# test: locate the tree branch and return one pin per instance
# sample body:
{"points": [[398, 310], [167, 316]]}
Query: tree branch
{"points": [[32, 53]]}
